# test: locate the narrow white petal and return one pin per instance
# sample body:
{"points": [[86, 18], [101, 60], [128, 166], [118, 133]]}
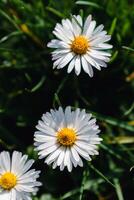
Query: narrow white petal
{"points": [[90, 29], [75, 154], [87, 67], [83, 153], [67, 161], [46, 152], [61, 156], [77, 65], [98, 29], [61, 37], [104, 46], [5, 164], [99, 40], [79, 19], [90, 60], [57, 44], [76, 26], [53, 156], [66, 60], [71, 65], [86, 24], [93, 53]]}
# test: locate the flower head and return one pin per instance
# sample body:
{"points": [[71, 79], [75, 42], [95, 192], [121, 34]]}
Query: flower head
{"points": [[80, 45], [17, 182], [63, 137]]}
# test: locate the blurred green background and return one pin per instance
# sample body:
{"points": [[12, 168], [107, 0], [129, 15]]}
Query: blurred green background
{"points": [[29, 87]]}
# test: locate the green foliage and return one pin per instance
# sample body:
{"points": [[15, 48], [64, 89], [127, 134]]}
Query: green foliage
{"points": [[29, 86]]}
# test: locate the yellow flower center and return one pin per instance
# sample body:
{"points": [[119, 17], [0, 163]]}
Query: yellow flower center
{"points": [[66, 136], [8, 181], [80, 45]]}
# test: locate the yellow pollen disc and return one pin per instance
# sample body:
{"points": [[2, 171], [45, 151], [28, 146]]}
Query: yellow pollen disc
{"points": [[80, 45], [8, 181], [66, 136]]}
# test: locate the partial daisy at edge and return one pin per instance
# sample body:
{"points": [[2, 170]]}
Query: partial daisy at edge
{"points": [[17, 180], [65, 137], [80, 45]]}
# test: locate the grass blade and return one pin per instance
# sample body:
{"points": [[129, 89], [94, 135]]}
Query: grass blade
{"points": [[100, 174], [118, 189], [4, 14], [89, 3], [39, 84], [128, 48], [55, 12], [114, 121], [113, 26]]}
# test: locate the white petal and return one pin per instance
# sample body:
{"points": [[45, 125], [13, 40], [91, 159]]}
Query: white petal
{"points": [[104, 46], [13, 194], [16, 156], [76, 26], [98, 56], [68, 117], [66, 60], [57, 44], [5, 162], [46, 145], [83, 153], [92, 61], [71, 65], [87, 67], [61, 37], [98, 29], [61, 156], [5, 195], [53, 156], [102, 53], [79, 19], [99, 40], [86, 24], [68, 28], [75, 154], [61, 30], [46, 152], [90, 29], [67, 161], [77, 65]]}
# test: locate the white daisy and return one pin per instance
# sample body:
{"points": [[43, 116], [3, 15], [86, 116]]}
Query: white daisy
{"points": [[80, 45], [63, 137], [17, 182]]}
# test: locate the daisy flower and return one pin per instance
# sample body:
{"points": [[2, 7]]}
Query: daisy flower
{"points": [[17, 182], [63, 137], [80, 45]]}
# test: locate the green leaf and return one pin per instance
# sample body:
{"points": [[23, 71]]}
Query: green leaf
{"points": [[114, 121], [128, 48], [129, 110], [5, 38], [89, 3], [113, 26], [5, 15], [69, 194], [55, 12], [39, 84], [114, 56]]}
